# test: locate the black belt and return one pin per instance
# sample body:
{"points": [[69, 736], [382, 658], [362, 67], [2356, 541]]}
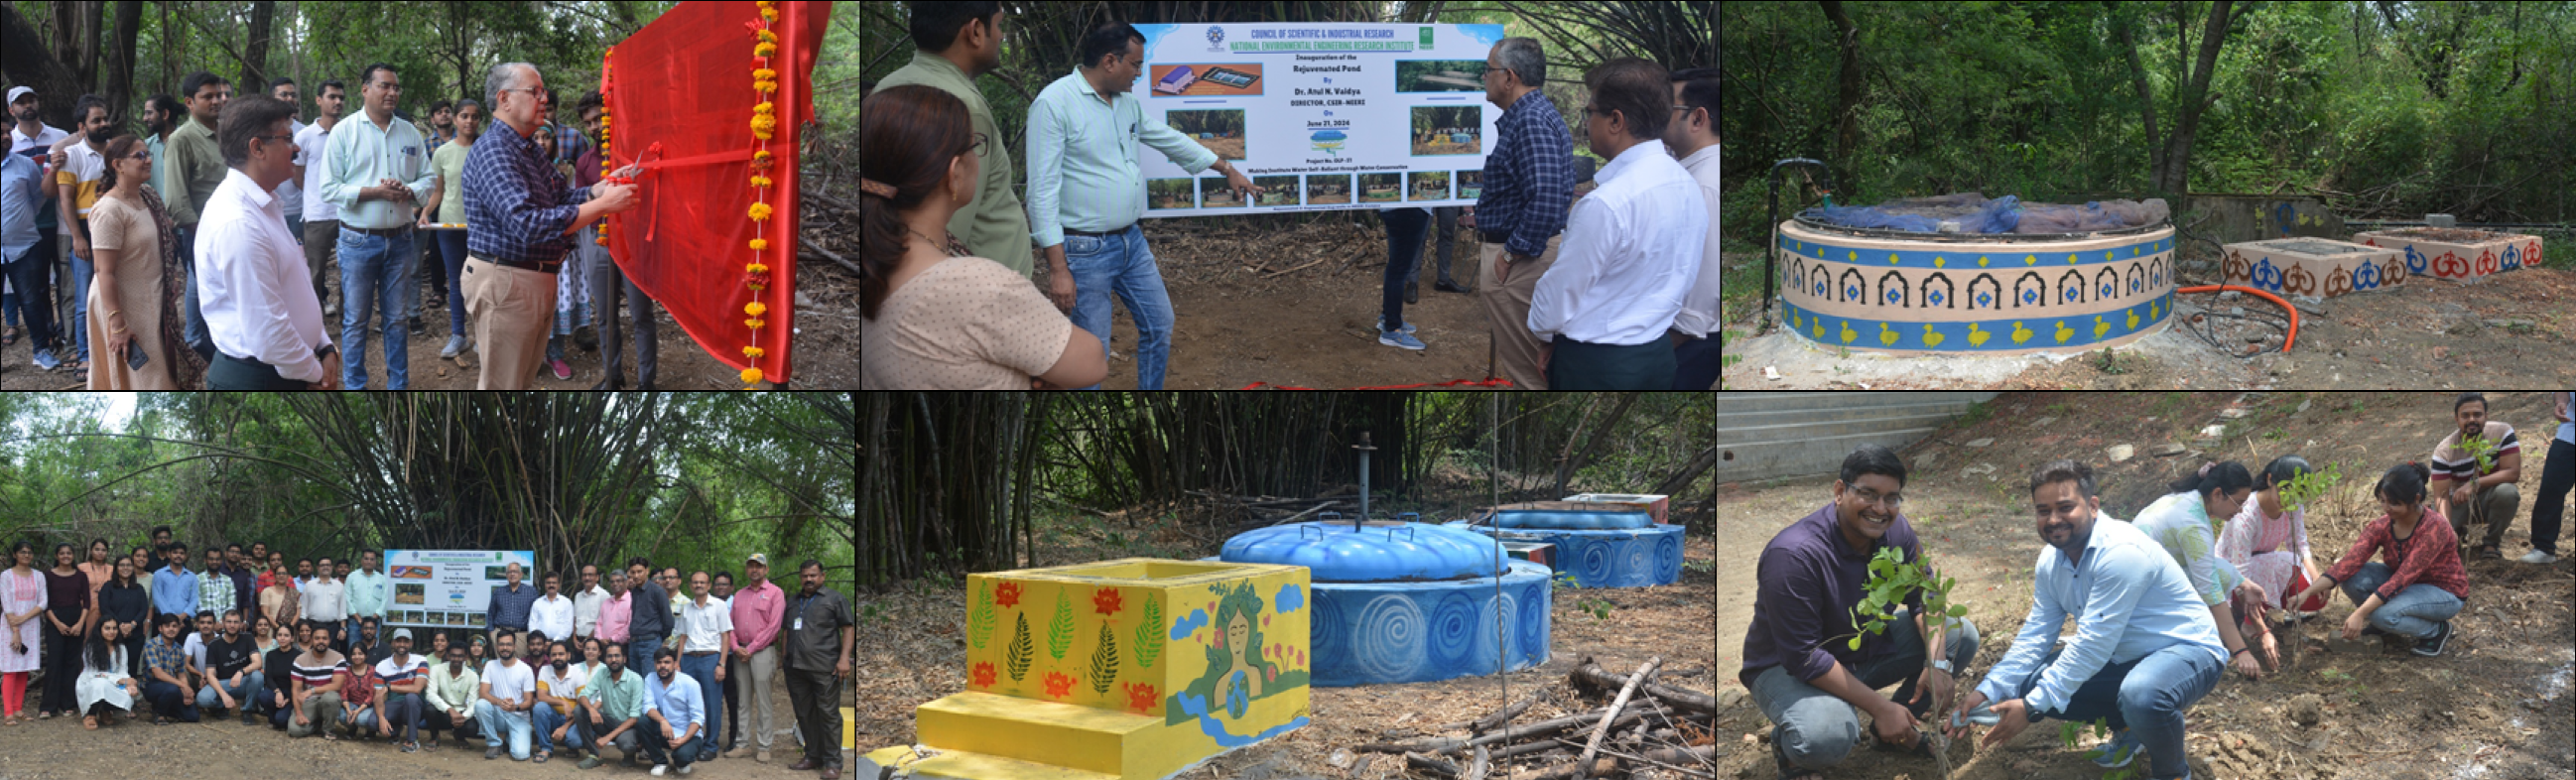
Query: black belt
{"points": [[1116, 231], [710, 652], [524, 265], [383, 233], [1494, 236]]}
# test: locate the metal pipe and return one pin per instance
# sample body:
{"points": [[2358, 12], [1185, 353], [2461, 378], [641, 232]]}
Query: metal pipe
{"points": [[1364, 449]]}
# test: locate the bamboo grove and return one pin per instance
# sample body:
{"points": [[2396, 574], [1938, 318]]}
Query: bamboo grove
{"points": [[957, 482]]}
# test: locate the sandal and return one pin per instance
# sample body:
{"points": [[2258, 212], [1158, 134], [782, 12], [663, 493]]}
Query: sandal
{"points": [[2490, 552], [90, 723], [541, 757], [9, 336]]}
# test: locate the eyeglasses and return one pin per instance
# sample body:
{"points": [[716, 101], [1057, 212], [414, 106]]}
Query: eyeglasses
{"points": [[1868, 496], [976, 146], [534, 93]]}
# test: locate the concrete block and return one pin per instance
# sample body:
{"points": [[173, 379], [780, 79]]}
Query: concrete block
{"points": [[2457, 254], [2314, 267]]}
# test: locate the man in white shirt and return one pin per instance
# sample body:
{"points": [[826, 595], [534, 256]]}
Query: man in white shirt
{"points": [[506, 693], [1692, 136], [585, 604], [1631, 248], [321, 226], [265, 325], [326, 603], [705, 634], [552, 614]]}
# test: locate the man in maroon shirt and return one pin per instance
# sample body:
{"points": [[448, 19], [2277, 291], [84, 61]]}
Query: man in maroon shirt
{"points": [[1798, 662]]}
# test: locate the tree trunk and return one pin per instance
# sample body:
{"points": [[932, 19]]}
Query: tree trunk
{"points": [[26, 60], [263, 18], [2175, 175], [1846, 90], [85, 57], [120, 59], [1565, 470], [2126, 28]]}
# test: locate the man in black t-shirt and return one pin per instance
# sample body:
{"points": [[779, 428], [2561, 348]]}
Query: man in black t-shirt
{"points": [[236, 668]]}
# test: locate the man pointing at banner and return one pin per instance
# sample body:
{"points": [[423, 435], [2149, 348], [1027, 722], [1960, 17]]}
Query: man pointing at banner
{"points": [[1086, 193]]}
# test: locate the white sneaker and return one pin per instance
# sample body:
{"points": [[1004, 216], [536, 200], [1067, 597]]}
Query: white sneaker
{"points": [[2537, 556], [686, 768], [659, 769]]}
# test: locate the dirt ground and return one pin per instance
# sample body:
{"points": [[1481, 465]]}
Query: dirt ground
{"points": [[59, 749], [924, 658], [1421, 147], [1226, 148], [827, 349], [2511, 330], [1239, 319], [2495, 705]]}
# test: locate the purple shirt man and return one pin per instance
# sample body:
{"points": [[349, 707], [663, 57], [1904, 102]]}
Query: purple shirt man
{"points": [[1808, 578]]}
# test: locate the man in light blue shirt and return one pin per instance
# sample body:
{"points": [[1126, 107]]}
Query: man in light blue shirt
{"points": [[174, 588], [678, 713], [374, 172], [367, 588], [2144, 647], [1086, 193]]}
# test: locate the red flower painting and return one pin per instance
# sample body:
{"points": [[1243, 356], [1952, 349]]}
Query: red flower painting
{"points": [[1007, 594], [1058, 685], [984, 675], [1141, 698], [1106, 601]]}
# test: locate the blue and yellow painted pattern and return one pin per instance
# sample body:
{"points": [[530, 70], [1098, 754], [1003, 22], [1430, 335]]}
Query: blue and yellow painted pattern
{"points": [[1997, 335]]}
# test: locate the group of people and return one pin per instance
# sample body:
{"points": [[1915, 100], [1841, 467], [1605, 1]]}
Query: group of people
{"points": [[186, 252], [657, 670], [2161, 602], [950, 296]]}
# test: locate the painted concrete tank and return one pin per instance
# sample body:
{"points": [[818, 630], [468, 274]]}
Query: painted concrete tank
{"points": [[1398, 602], [2457, 254], [1902, 293], [1602, 544]]}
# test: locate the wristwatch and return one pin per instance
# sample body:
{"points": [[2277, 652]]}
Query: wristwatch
{"points": [[1943, 665]]}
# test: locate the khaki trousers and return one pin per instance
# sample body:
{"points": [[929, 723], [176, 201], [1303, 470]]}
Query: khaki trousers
{"points": [[1507, 306], [512, 310]]}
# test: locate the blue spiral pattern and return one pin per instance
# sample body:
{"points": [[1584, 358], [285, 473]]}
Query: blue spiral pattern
{"points": [[1330, 639], [1668, 558], [1592, 560], [1487, 635], [1452, 637], [1388, 644], [1637, 557], [1534, 624]]}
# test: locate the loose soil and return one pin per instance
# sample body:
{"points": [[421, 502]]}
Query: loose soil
{"points": [[2494, 705], [1238, 321], [59, 749], [827, 349]]}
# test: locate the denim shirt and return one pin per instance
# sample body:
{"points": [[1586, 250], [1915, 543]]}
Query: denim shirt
{"points": [[2128, 598]]}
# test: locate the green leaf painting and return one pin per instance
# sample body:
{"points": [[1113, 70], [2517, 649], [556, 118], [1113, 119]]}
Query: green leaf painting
{"points": [[979, 621], [1017, 657], [1149, 636], [1104, 661], [1060, 629]]}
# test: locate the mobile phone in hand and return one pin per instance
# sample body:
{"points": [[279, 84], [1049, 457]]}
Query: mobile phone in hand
{"points": [[134, 358]]}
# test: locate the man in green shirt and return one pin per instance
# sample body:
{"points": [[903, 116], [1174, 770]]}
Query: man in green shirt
{"points": [[1086, 193], [957, 42], [616, 695], [195, 168]]}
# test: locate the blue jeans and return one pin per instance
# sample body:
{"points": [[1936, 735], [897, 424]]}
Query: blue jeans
{"points": [[375, 275], [643, 648], [295, 227], [451, 253], [2145, 697], [2417, 611], [168, 702], [1124, 265], [496, 723], [1404, 232], [658, 750], [547, 720], [703, 669], [80, 305], [251, 686]]}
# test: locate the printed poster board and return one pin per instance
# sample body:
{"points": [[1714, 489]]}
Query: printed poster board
{"points": [[449, 588]]}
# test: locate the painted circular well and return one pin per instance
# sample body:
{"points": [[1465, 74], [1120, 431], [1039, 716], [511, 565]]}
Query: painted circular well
{"points": [[1875, 293], [1368, 633], [1618, 558]]}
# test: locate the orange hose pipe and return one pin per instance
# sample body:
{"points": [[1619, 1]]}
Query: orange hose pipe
{"points": [[2292, 341]]}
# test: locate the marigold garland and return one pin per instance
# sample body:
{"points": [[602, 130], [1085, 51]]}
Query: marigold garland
{"points": [[764, 126]]}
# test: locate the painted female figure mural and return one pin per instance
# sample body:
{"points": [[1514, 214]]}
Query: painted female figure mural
{"points": [[1238, 672]]}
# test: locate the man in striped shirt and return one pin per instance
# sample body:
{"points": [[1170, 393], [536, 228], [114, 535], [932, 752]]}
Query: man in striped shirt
{"points": [[2465, 486], [404, 676]]}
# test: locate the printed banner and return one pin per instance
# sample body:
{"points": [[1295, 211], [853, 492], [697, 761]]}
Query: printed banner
{"points": [[449, 588], [1320, 116]]}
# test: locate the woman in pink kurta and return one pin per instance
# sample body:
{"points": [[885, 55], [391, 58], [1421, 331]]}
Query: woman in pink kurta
{"points": [[2268, 542], [22, 601]]}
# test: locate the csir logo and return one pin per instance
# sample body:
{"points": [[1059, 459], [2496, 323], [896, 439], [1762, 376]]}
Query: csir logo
{"points": [[1216, 37]]}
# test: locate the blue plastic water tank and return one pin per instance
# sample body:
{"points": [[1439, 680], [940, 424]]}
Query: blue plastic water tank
{"points": [[1574, 519], [1388, 552]]}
